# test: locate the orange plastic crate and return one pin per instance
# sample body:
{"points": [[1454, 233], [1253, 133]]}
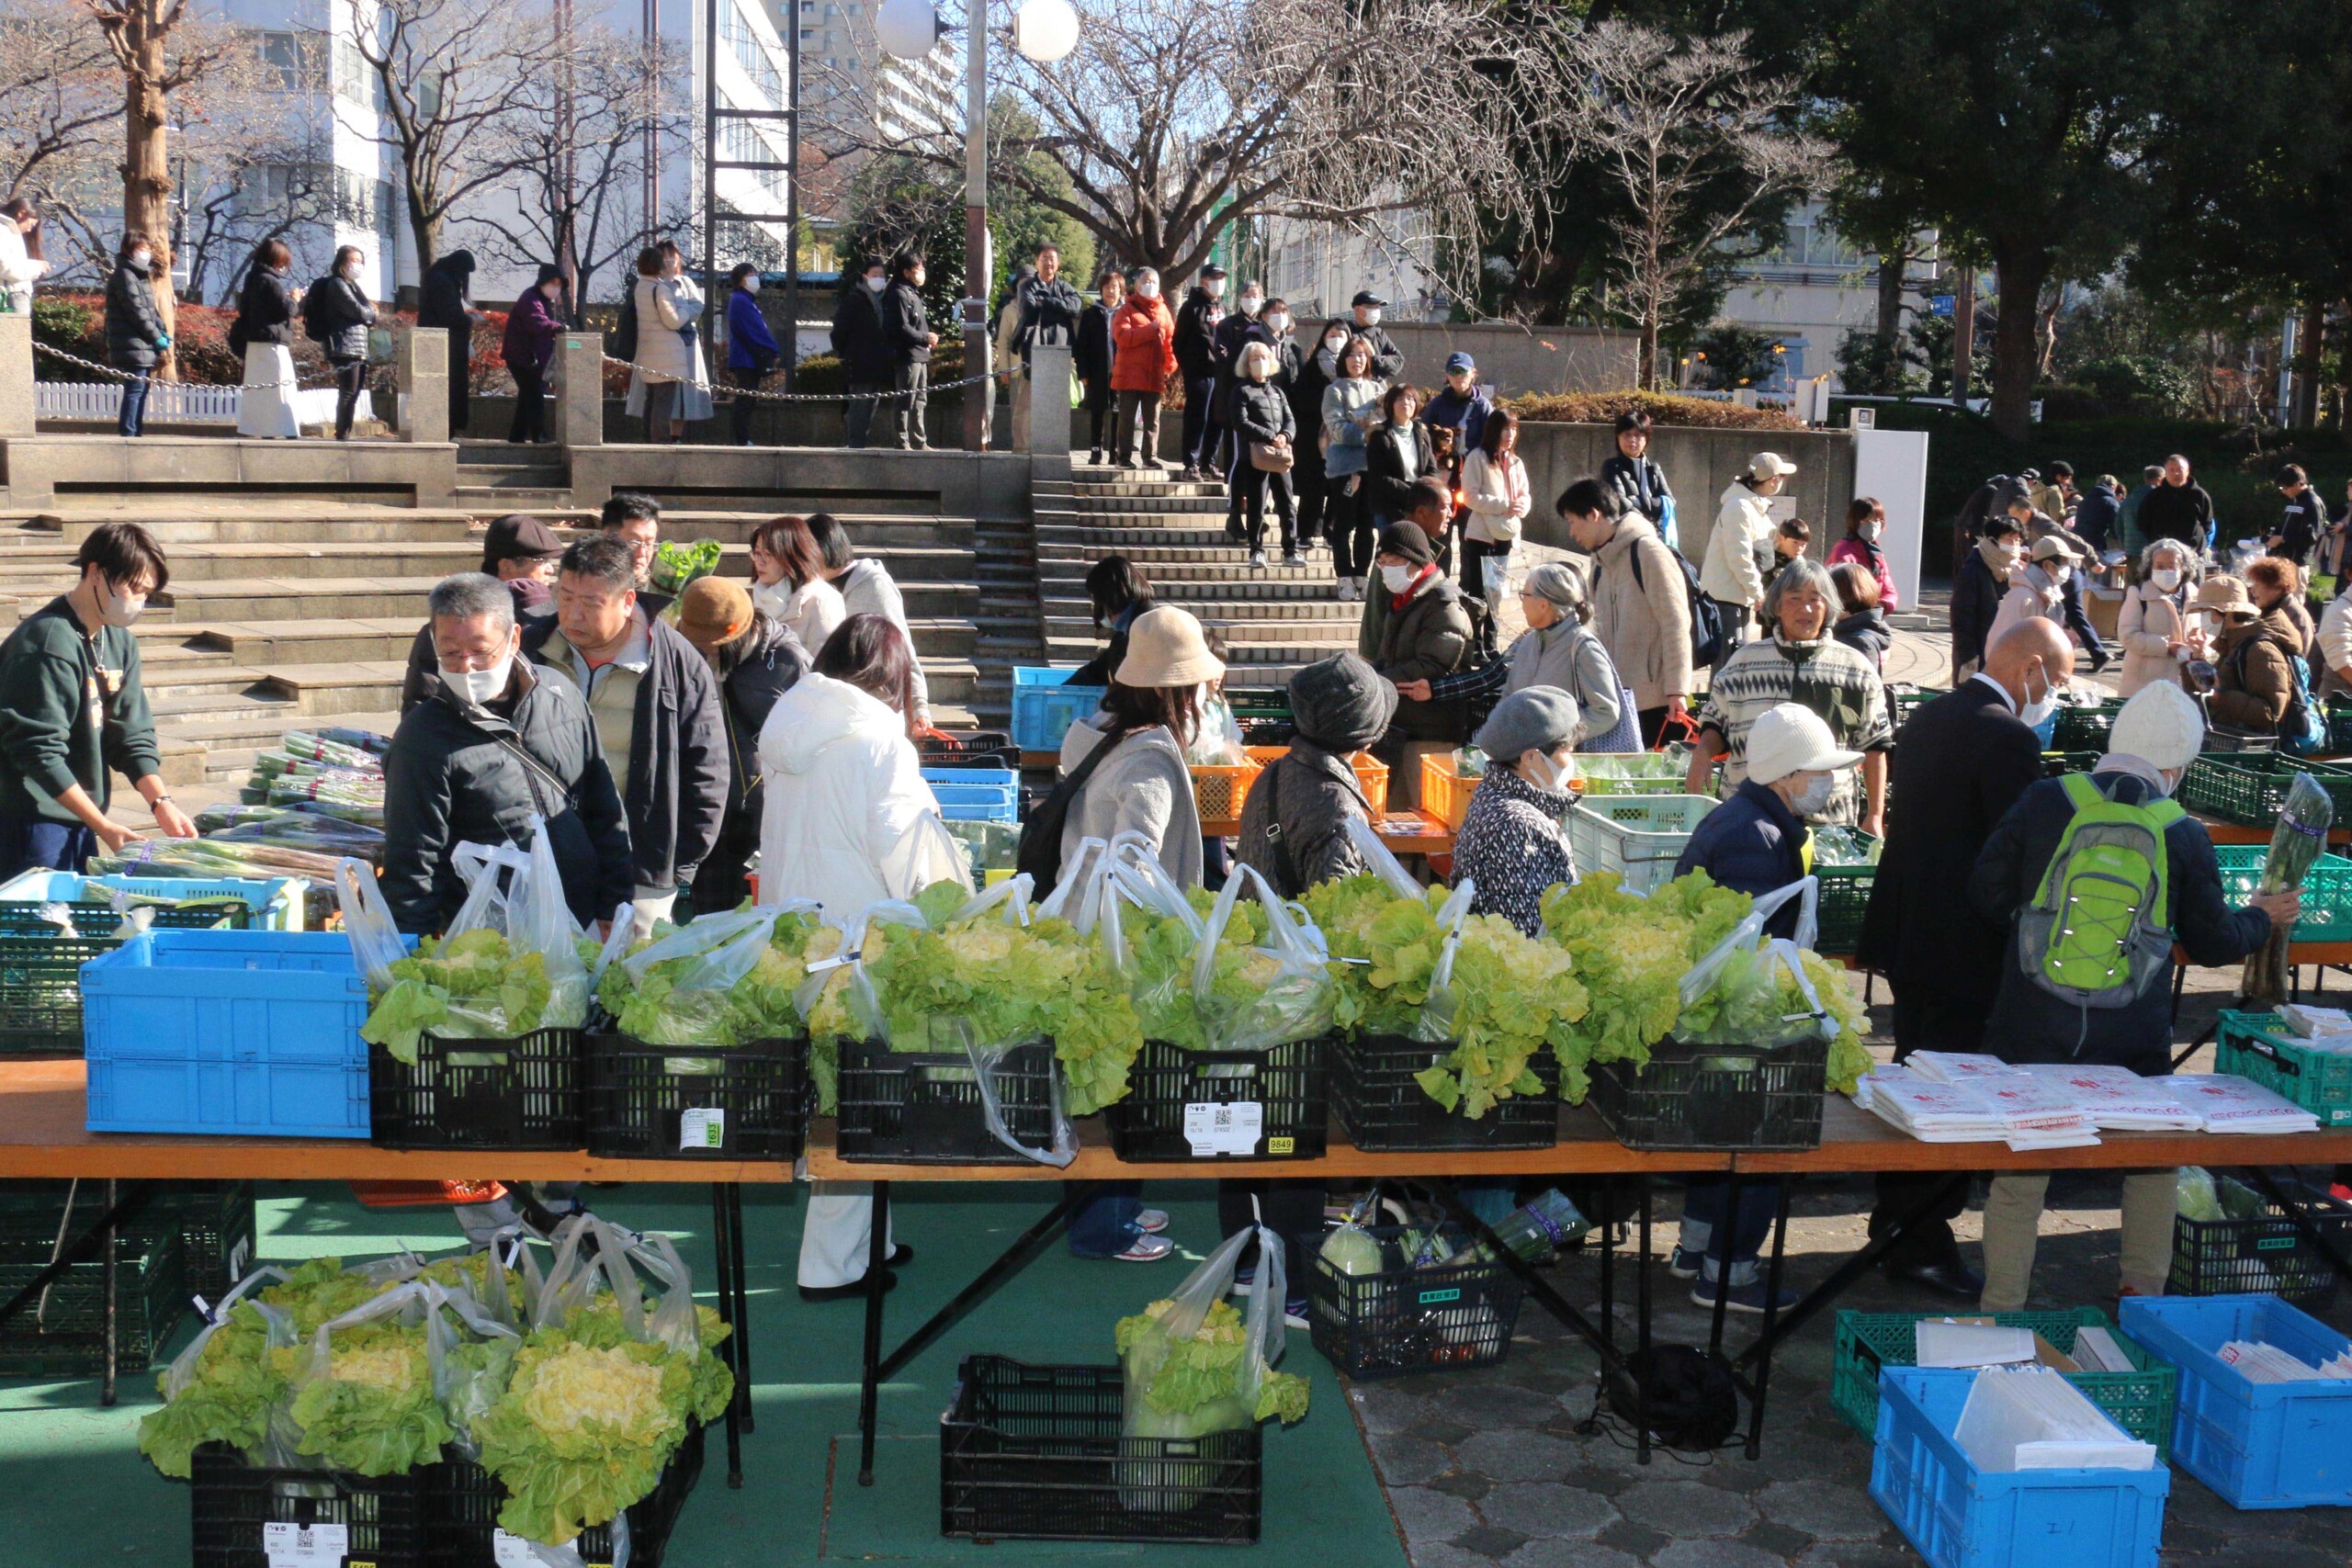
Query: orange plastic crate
{"points": [[1372, 775], [1445, 794], [1220, 789]]}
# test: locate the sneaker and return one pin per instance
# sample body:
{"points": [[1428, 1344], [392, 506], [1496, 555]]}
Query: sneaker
{"points": [[1151, 1221], [1291, 559], [1094, 458], [1257, 560], [1189, 476], [1294, 1312], [1683, 1264], [853, 1292], [1749, 1298], [1146, 1249]]}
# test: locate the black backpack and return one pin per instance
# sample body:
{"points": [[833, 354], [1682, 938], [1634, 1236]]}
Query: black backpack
{"points": [[315, 321], [1039, 856], [1706, 621], [622, 345], [1693, 1404]]}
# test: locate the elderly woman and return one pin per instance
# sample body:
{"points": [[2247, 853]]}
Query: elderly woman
{"points": [[2153, 625], [1800, 662], [1557, 649], [1512, 845]]}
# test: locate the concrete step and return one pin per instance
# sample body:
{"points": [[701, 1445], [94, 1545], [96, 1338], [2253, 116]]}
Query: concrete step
{"points": [[496, 500], [176, 532], [270, 599], [1233, 572]]}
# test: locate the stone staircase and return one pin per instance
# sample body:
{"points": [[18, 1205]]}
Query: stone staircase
{"points": [[1273, 621], [282, 613]]}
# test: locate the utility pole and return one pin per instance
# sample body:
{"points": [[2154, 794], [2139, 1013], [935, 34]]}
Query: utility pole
{"points": [[977, 263], [1963, 333]]}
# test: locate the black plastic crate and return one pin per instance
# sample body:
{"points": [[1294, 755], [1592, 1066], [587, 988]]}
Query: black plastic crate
{"points": [[41, 963], [1695, 1095], [233, 1504], [923, 1107], [1290, 1084], [1385, 1111], [218, 1229], [2263, 1254], [1035, 1453], [62, 1332], [940, 750], [2339, 726], [461, 1503], [1404, 1320], [640, 1097], [518, 1093]]}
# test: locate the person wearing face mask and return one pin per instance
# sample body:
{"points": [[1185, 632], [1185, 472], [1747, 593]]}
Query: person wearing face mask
{"points": [[670, 387], [1977, 592], [496, 743], [1740, 552], [1864, 545], [337, 314], [1416, 628], [74, 711], [2039, 525], [1459, 405], [908, 327], [1142, 357], [1090, 363], [753, 351], [1264, 425], [1513, 844], [528, 347], [2039, 590], [656, 710], [788, 582], [1246, 325], [2153, 623], [756, 661], [1960, 763], [519, 551], [136, 338], [1363, 320], [1754, 843], [1800, 662], [2255, 686], [1318, 366], [1196, 326], [861, 340], [1556, 650], [2155, 738]]}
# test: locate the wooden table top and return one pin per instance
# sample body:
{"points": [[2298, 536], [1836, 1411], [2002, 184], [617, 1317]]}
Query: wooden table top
{"points": [[1854, 1140]]}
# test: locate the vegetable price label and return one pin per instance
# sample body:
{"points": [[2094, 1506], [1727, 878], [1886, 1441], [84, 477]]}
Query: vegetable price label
{"points": [[1224, 1129], [512, 1551], [702, 1128], [305, 1546]]}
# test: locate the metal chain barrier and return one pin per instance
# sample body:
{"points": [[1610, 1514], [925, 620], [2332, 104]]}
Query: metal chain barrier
{"points": [[885, 394], [112, 373]]}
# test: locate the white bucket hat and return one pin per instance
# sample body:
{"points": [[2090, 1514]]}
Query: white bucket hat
{"points": [[1789, 737]]}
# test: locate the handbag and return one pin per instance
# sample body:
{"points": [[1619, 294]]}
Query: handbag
{"points": [[1269, 458]]}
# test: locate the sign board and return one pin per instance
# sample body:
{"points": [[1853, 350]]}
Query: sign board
{"points": [[1892, 466], [1941, 304], [1861, 419]]}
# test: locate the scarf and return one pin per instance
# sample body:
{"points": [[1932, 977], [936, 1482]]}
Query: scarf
{"points": [[1995, 559], [1396, 602]]}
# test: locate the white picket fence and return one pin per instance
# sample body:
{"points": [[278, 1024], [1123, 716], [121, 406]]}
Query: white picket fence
{"points": [[173, 403]]}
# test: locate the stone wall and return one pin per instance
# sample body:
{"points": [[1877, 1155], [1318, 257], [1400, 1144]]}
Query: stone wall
{"points": [[1515, 360]]}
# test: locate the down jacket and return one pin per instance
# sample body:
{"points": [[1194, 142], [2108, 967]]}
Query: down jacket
{"points": [[1143, 336], [1309, 794], [1737, 549], [135, 332], [2256, 683]]}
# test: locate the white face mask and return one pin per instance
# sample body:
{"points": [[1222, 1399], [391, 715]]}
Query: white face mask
{"points": [[1148, 289], [877, 284], [2041, 708], [2059, 574], [1335, 341], [140, 258], [1252, 303], [477, 687], [1556, 773], [1214, 287], [1814, 798], [1397, 577], [773, 600], [2166, 578], [351, 271], [1867, 533], [2010, 553], [117, 608], [1371, 318], [1279, 322]]}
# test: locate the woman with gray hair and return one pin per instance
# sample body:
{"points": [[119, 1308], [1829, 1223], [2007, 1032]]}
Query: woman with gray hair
{"points": [[1800, 662], [1557, 649], [2153, 625]]}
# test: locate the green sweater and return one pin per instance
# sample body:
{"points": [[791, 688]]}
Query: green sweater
{"points": [[72, 707]]}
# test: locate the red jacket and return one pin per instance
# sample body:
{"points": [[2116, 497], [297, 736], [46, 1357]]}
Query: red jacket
{"points": [[1144, 336]]}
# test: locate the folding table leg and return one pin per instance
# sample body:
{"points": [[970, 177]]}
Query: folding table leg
{"points": [[1782, 1325], [723, 1287], [1771, 1312], [742, 1334], [109, 1270], [877, 1253], [1720, 1245], [1641, 1326]]}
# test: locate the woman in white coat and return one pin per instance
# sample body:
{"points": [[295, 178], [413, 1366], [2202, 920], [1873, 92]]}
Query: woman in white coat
{"points": [[1740, 552], [789, 585], [849, 822], [673, 386], [21, 262]]}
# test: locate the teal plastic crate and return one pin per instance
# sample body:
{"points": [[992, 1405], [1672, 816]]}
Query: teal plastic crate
{"points": [[2270, 1445], [1637, 835], [975, 794], [2327, 890], [274, 903], [1631, 772], [1845, 900], [252, 1033], [1045, 705], [1957, 1516], [2250, 788], [2259, 1047]]}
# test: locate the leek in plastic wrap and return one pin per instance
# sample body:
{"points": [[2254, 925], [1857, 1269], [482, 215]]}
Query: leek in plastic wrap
{"points": [[2297, 842]]}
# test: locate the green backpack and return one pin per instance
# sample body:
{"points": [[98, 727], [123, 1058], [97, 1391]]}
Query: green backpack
{"points": [[2097, 933]]}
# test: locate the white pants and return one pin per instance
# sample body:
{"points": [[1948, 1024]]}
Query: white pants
{"points": [[838, 1233], [266, 406]]}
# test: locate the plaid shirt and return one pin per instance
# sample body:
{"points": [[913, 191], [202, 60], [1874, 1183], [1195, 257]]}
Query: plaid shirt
{"points": [[1827, 677]]}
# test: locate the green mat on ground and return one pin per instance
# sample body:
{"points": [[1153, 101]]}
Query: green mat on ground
{"points": [[74, 1491]]}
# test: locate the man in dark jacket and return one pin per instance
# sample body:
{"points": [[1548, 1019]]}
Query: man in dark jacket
{"points": [[1960, 764], [1362, 321], [495, 744], [1422, 630], [911, 340], [656, 709], [1244, 326], [1977, 590], [2095, 516], [1197, 324], [519, 551], [136, 341], [1305, 387], [862, 340], [2155, 738], [1050, 308], [1293, 824], [446, 300], [2302, 521], [2179, 507]]}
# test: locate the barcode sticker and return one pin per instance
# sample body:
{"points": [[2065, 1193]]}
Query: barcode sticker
{"points": [[305, 1546], [702, 1128], [512, 1550], [1224, 1129]]}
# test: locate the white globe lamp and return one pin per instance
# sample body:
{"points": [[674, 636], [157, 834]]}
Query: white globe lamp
{"points": [[1046, 30], [907, 30]]}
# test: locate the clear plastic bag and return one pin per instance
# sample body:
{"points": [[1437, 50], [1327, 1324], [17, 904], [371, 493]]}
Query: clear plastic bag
{"points": [[519, 894], [1287, 1001], [1378, 856], [1739, 978], [1438, 1020], [376, 942], [722, 949]]}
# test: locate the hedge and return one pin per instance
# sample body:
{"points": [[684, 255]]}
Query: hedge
{"points": [[1603, 407]]}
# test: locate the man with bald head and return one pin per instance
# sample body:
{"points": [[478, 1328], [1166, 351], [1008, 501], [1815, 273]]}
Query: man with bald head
{"points": [[1960, 763]]}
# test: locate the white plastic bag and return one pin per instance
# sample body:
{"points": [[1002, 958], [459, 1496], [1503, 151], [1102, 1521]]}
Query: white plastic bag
{"points": [[1439, 1009], [1377, 855], [1741, 973], [1294, 1001], [376, 942]]}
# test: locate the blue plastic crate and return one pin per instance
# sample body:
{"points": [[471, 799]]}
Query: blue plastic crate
{"points": [[242, 1032], [2277, 1445], [276, 901], [975, 794], [1958, 1516], [1045, 705]]}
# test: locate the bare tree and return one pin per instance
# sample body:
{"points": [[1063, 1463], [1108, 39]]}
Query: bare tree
{"points": [[1174, 119], [453, 77], [59, 96], [1698, 141], [577, 157]]}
